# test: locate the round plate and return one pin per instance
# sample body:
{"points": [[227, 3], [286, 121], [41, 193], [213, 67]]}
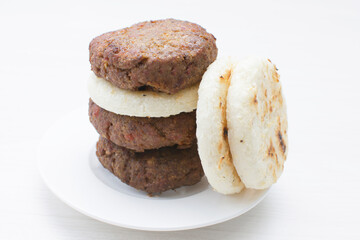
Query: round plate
{"points": [[69, 166]]}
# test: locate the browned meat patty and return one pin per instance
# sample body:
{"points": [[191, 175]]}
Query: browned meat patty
{"points": [[140, 133], [153, 171], [165, 55]]}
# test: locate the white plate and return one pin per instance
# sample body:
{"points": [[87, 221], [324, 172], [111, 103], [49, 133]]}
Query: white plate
{"points": [[69, 167]]}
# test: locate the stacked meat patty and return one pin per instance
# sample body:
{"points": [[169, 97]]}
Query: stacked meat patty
{"points": [[143, 101]]}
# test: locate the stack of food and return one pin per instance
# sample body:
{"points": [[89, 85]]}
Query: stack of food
{"points": [[144, 93]]}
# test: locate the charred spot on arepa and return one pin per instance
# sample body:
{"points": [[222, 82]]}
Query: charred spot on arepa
{"points": [[281, 141], [226, 76], [223, 120], [220, 162], [275, 76], [254, 100], [280, 136], [271, 150], [225, 132]]}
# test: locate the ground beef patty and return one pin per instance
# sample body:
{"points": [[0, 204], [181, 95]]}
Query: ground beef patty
{"points": [[165, 55], [153, 171], [140, 133]]}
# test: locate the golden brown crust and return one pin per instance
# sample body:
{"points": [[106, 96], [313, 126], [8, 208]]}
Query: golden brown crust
{"points": [[166, 55]]}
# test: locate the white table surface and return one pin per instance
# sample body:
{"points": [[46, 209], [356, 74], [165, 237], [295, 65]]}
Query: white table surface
{"points": [[315, 44]]}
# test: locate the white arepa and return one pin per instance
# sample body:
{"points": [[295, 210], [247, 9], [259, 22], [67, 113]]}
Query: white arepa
{"points": [[211, 131], [257, 122], [141, 103]]}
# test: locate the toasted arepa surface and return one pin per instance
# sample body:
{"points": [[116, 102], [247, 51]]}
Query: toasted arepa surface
{"points": [[141, 103], [211, 129], [257, 122]]}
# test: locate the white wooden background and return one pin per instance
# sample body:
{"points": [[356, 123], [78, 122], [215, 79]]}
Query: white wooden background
{"points": [[315, 44]]}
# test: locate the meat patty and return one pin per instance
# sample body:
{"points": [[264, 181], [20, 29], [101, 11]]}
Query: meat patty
{"points": [[141, 133], [166, 55], [153, 171]]}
